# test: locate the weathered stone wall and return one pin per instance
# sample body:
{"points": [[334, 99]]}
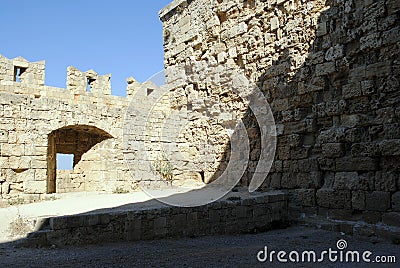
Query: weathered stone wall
{"points": [[329, 70], [248, 214], [84, 120], [38, 121]]}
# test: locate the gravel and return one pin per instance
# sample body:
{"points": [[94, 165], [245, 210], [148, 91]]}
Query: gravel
{"points": [[216, 251]]}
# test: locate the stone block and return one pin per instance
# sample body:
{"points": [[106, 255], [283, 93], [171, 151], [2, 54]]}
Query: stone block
{"points": [[391, 218], [325, 68], [238, 29], [390, 147], [7, 149], [358, 200], [392, 6], [321, 29], [91, 220], [352, 120], [275, 180], [334, 53], [356, 164], [353, 181], [160, 223], [377, 201], [351, 90], [289, 181], [3, 136], [58, 223], [326, 164], [25, 175], [370, 41], [19, 162], [386, 181], [364, 149], [303, 197], [333, 135], [330, 198], [274, 23], [35, 187], [380, 69], [333, 150], [308, 180], [371, 216], [340, 214], [300, 153], [396, 201], [367, 87]]}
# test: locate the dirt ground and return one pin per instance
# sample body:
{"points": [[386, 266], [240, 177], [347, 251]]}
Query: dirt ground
{"points": [[217, 251]]}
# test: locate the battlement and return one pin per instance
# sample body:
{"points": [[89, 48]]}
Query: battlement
{"points": [[23, 77], [22, 71]]}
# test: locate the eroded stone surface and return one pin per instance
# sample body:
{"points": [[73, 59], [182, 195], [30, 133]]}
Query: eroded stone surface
{"points": [[329, 70]]}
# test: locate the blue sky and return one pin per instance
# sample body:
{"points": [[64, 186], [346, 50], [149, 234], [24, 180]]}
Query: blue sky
{"points": [[122, 37]]}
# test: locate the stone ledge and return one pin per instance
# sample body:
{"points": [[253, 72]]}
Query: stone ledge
{"points": [[170, 7], [252, 213], [360, 229]]}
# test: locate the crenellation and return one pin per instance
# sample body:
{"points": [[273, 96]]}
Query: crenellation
{"points": [[19, 70], [28, 78], [79, 82], [132, 87]]}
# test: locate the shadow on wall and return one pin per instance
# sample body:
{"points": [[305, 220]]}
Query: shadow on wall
{"points": [[291, 91], [336, 113]]}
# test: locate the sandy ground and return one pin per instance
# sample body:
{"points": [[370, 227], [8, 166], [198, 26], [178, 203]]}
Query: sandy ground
{"points": [[217, 251]]}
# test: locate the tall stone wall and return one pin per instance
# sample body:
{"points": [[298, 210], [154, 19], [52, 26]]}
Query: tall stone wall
{"points": [[330, 72]]}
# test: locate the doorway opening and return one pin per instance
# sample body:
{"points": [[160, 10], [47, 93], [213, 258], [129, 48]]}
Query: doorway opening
{"points": [[66, 147]]}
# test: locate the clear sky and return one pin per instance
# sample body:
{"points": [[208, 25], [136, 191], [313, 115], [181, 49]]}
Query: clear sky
{"points": [[121, 37]]}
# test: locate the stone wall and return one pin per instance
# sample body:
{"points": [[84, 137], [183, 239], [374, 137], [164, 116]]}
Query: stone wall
{"points": [[101, 131], [330, 72], [37, 122], [246, 214]]}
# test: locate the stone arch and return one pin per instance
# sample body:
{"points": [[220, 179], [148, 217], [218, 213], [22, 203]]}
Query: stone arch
{"points": [[73, 139]]}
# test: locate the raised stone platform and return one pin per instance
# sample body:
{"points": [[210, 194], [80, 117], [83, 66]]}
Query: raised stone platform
{"points": [[236, 213]]}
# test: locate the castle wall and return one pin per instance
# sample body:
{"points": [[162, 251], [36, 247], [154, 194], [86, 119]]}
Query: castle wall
{"points": [[38, 121], [330, 72]]}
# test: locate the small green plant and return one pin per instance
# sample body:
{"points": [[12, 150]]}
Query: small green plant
{"points": [[163, 167], [120, 190]]}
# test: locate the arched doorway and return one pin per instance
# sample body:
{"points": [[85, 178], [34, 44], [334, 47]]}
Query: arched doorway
{"points": [[73, 140]]}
